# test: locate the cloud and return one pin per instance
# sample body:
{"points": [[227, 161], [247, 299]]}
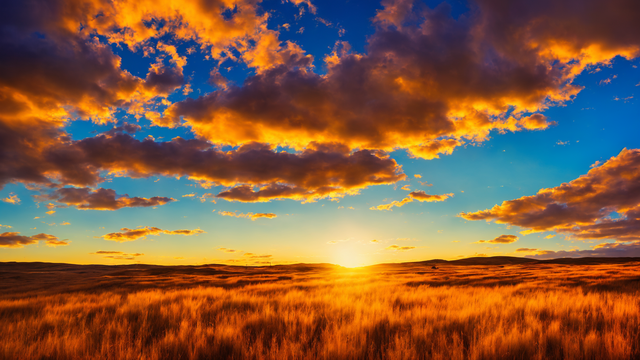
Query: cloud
{"points": [[117, 255], [15, 240], [323, 171], [602, 250], [99, 199], [419, 195], [428, 82], [254, 256], [399, 248], [126, 234], [550, 236], [12, 199], [249, 215], [502, 239], [390, 206], [375, 241], [526, 250], [228, 250], [582, 208]]}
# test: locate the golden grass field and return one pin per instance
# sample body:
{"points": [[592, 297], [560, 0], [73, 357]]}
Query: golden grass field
{"points": [[494, 308]]}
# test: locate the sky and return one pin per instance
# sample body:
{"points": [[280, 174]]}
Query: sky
{"points": [[250, 132]]}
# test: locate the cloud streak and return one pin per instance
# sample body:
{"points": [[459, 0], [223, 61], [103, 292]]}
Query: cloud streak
{"points": [[126, 234], [418, 195], [15, 240], [502, 239], [249, 215]]}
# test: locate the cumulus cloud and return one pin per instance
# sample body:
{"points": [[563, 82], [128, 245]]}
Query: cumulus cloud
{"points": [[418, 195], [581, 208], [428, 82], [15, 240], [502, 239], [399, 248], [249, 215], [126, 234]]}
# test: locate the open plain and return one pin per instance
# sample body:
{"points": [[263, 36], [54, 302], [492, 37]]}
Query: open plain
{"points": [[478, 308]]}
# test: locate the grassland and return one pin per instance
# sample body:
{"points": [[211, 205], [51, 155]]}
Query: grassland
{"points": [[496, 308]]}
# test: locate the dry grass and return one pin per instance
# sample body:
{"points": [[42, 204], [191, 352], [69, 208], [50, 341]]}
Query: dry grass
{"points": [[520, 311]]}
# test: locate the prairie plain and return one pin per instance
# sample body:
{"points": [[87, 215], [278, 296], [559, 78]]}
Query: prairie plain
{"points": [[477, 308]]}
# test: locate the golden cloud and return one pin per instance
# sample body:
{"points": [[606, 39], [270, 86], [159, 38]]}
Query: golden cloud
{"points": [[399, 248], [249, 215], [419, 195], [126, 234]]}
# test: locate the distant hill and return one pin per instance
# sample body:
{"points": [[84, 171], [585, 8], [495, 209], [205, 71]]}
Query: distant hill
{"points": [[512, 260]]}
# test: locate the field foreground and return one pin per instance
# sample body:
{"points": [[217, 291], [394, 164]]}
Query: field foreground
{"points": [[493, 308]]}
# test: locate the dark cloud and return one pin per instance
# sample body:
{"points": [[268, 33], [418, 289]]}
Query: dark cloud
{"points": [[15, 240], [314, 173], [99, 199]]}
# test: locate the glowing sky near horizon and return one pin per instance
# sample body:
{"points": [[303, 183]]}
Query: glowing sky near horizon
{"points": [[273, 132]]}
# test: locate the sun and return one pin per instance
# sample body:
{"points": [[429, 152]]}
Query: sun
{"points": [[349, 258]]}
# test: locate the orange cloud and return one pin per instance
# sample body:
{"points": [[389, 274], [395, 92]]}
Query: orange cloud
{"points": [[15, 240], [126, 234], [437, 84], [582, 207], [502, 239], [12, 199], [249, 215], [428, 84], [419, 195]]}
